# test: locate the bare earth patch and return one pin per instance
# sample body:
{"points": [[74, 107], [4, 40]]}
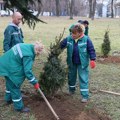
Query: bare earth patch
{"points": [[109, 59], [65, 106]]}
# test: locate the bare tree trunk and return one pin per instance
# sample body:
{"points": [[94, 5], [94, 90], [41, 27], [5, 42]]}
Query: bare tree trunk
{"points": [[71, 4], [57, 7], [68, 7], [112, 12], [50, 7], [36, 6], [92, 7], [39, 6], [93, 10]]}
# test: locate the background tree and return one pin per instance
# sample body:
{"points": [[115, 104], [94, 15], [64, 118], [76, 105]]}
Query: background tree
{"points": [[92, 7], [57, 7], [106, 44], [112, 11], [22, 6], [37, 6], [99, 9], [71, 5]]}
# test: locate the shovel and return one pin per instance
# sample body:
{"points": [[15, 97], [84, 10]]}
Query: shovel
{"points": [[56, 116]]}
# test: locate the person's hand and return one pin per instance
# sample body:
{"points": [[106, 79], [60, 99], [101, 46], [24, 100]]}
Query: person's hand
{"points": [[37, 86], [92, 64]]}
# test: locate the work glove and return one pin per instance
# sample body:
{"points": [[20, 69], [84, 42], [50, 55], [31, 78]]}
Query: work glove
{"points": [[92, 64], [37, 86]]}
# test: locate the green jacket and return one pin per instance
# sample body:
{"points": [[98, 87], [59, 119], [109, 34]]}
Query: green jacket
{"points": [[12, 36], [17, 64], [82, 47], [86, 31]]}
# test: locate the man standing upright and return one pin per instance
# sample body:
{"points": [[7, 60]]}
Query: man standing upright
{"points": [[12, 36], [13, 33]]}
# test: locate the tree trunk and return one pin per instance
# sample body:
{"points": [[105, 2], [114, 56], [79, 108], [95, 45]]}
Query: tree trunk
{"points": [[92, 7], [71, 4], [57, 8], [112, 11], [67, 7], [39, 6]]}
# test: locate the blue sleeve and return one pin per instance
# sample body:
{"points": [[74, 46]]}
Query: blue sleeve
{"points": [[91, 50], [63, 43]]}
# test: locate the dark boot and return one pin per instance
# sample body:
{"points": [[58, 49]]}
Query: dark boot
{"points": [[24, 110], [9, 102]]}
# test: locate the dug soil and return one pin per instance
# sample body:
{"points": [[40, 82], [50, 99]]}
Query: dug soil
{"points": [[65, 106], [109, 59]]}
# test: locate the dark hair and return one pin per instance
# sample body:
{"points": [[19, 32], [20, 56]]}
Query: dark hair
{"points": [[80, 21], [85, 22]]}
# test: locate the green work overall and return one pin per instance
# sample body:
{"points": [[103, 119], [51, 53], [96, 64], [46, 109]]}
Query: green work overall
{"points": [[12, 36], [16, 65], [82, 68]]}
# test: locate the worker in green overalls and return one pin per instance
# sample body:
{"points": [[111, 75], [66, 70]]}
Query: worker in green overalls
{"points": [[16, 65], [13, 33], [80, 53]]}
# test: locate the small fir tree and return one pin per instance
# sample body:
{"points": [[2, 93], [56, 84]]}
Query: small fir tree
{"points": [[106, 44], [53, 76]]}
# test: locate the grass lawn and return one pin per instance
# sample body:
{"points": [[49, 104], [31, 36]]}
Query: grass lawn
{"points": [[104, 76]]}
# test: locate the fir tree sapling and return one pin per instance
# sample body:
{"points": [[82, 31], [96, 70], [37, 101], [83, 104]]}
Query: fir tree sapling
{"points": [[106, 44], [53, 76]]}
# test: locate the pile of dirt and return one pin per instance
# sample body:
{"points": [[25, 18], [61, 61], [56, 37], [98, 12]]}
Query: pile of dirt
{"points": [[65, 106], [109, 59]]}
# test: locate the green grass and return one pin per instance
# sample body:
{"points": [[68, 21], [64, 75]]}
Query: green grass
{"points": [[47, 32], [105, 76]]}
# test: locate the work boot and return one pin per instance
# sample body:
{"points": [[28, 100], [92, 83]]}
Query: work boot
{"points": [[71, 92], [9, 102], [24, 96], [24, 110], [84, 100]]}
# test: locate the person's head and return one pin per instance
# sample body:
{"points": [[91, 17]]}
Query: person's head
{"points": [[80, 21], [77, 31], [38, 47], [85, 23], [16, 18]]}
